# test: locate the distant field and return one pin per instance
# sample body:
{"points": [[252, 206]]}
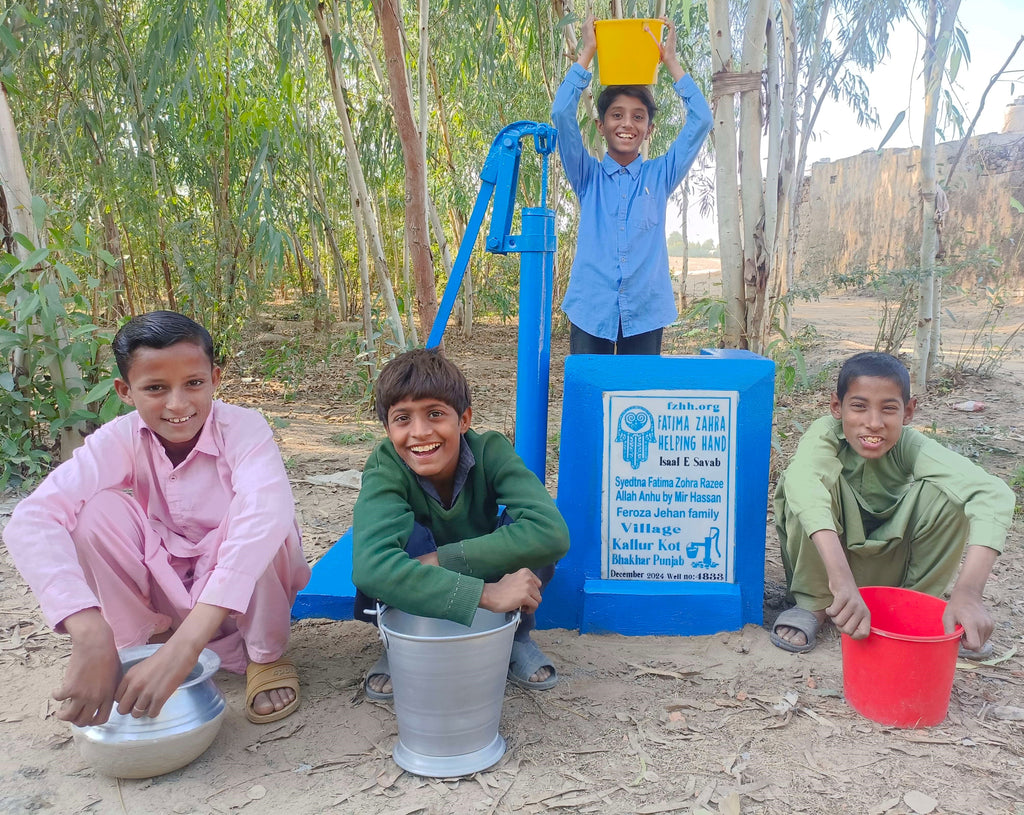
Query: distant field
{"points": [[696, 264]]}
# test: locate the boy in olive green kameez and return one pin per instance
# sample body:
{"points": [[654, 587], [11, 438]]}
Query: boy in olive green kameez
{"points": [[867, 501]]}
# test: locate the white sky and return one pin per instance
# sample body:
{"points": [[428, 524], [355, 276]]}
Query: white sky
{"points": [[992, 26]]}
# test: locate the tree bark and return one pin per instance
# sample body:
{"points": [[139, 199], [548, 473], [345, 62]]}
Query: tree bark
{"points": [[730, 240], [938, 37], [417, 235]]}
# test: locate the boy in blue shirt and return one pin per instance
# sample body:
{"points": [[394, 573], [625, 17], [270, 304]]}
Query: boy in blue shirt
{"points": [[619, 297]]}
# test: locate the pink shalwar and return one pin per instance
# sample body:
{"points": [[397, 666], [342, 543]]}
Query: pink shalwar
{"points": [[118, 528]]}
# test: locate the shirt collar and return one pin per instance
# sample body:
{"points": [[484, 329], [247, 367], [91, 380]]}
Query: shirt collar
{"points": [[466, 462], [204, 444], [611, 166]]}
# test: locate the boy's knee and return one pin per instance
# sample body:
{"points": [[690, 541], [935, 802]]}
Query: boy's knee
{"points": [[106, 509]]}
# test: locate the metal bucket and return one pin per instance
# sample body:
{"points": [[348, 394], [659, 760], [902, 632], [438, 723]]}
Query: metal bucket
{"points": [[449, 683]]}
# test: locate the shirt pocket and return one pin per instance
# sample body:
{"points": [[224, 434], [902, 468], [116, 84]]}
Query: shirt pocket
{"points": [[646, 211]]}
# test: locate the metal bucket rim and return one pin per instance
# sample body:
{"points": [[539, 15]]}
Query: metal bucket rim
{"points": [[387, 633]]}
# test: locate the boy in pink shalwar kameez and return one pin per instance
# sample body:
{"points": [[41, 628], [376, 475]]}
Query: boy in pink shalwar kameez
{"points": [[173, 523]]}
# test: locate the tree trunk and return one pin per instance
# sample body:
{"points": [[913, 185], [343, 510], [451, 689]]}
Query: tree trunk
{"points": [[359, 193], [938, 37], [752, 193], [389, 21], [730, 240]]}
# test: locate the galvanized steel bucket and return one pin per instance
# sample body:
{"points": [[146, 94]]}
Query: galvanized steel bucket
{"points": [[449, 683]]}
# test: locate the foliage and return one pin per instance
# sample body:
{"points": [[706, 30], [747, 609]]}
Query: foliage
{"points": [[42, 301]]}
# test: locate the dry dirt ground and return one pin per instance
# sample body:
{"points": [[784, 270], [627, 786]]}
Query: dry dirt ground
{"points": [[720, 724]]}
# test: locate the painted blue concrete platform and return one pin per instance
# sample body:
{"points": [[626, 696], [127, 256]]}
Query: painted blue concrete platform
{"points": [[330, 594]]}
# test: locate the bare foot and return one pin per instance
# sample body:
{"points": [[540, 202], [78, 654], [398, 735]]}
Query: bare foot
{"points": [[542, 673], [271, 700], [794, 636], [380, 683]]}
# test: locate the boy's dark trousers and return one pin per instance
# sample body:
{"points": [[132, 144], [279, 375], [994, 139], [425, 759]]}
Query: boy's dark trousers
{"points": [[648, 343]]}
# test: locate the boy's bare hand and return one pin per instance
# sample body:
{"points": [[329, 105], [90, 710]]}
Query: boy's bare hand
{"points": [[968, 610], [91, 679], [150, 683], [588, 42], [519, 590], [667, 50], [848, 611]]}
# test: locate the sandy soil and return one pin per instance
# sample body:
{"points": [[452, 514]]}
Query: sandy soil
{"points": [[716, 724]]}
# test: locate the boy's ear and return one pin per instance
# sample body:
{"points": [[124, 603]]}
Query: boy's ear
{"points": [[465, 419], [835, 406], [124, 391], [908, 410]]}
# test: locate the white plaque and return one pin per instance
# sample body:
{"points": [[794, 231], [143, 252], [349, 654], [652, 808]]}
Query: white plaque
{"points": [[668, 487]]}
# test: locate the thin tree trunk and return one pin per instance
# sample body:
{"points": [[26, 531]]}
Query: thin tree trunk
{"points": [[938, 37], [784, 236], [359, 194], [730, 240], [755, 268], [390, 23]]}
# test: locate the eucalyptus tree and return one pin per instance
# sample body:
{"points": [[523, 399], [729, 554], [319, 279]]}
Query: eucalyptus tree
{"points": [[939, 40], [809, 51]]}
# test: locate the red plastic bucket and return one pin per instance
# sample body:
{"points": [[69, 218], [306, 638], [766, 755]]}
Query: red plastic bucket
{"points": [[901, 674]]}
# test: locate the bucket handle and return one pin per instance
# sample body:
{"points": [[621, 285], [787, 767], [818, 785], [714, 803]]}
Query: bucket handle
{"points": [[650, 33], [377, 611]]}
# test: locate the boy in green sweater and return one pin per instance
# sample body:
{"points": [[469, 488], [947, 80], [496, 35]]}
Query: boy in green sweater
{"points": [[867, 501], [427, 537]]}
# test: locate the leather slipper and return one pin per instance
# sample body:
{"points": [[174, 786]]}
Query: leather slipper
{"points": [[380, 668], [802, 620], [525, 661], [260, 677]]}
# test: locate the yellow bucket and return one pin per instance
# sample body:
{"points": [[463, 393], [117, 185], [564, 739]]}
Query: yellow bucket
{"points": [[628, 51]]}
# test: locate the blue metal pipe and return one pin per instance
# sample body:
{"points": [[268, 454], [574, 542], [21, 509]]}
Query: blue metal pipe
{"points": [[536, 275]]}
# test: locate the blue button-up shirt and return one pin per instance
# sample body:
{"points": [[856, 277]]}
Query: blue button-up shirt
{"points": [[621, 267]]}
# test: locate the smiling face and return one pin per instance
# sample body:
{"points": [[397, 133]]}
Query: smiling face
{"points": [[172, 389], [873, 414], [625, 127], [426, 434]]}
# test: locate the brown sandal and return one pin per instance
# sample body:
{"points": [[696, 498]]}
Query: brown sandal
{"points": [[260, 677]]}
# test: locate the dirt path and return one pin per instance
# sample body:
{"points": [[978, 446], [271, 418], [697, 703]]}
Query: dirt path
{"points": [[719, 724]]}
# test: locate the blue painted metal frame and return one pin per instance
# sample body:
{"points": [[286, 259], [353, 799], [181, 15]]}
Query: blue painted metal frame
{"points": [[330, 592]]}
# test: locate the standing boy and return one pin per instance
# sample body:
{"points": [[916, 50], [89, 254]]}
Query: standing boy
{"points": [[619, 297], [427, 537], [174, 524], [867, 501]]}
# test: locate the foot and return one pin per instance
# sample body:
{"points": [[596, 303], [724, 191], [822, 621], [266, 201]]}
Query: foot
{"points": [[529, 668], [271, 690], [794, 636], [274, 699], [380, 683]]}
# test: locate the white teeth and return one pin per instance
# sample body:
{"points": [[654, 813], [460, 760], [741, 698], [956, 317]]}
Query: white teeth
{"points": [[424, 448], [179, 421]]}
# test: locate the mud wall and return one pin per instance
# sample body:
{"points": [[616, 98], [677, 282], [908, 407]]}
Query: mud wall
{"points": [[865, 211]]}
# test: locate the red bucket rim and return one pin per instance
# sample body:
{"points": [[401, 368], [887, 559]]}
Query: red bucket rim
{"points": [[957, 633]]}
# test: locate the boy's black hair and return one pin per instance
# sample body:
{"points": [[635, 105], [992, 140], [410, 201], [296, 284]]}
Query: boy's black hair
{"points": [[639, 92], [873, 363], [158, 329], [420, 374]]}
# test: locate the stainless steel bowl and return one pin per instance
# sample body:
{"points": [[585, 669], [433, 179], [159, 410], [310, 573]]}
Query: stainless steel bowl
{"points": [[127, 747]]}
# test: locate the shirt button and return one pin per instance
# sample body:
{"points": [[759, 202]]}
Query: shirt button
{"points": [[174, 478]]}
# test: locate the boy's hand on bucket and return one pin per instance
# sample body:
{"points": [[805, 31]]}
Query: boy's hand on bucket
{"points": [[848, 611], [519, 590], [970, 612]]}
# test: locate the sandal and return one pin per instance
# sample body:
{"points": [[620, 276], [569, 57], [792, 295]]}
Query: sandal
{"points": [[380, 668], [525, 661], [260, 677], [802, 620]]}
